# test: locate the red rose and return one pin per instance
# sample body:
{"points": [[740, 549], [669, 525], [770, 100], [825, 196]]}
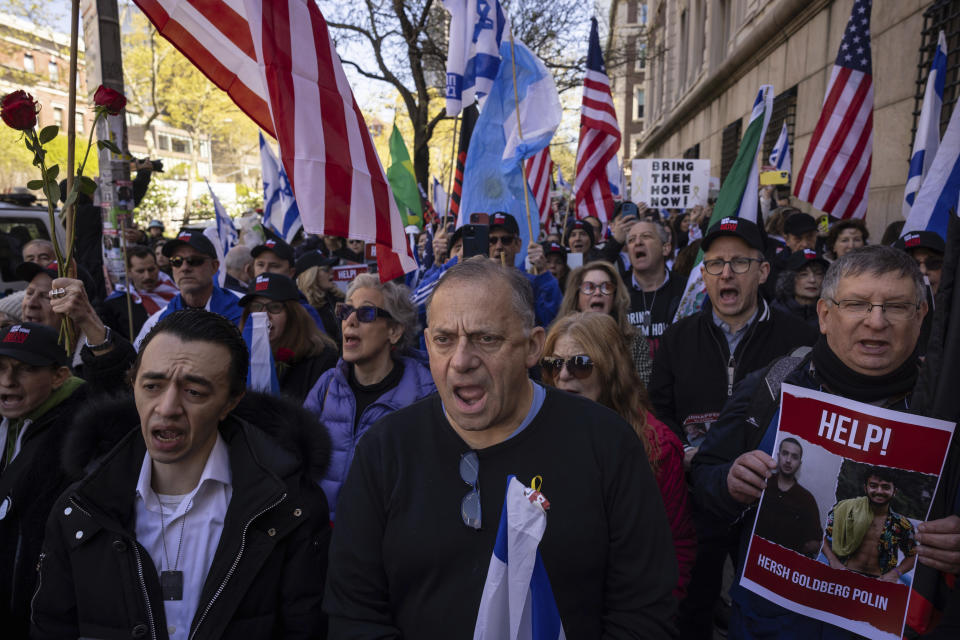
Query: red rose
{"points": [[112, 101], [284, 354], [19, 110]]}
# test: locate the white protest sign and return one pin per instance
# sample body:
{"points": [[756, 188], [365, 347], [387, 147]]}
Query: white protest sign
{"points": [[670, 184]]}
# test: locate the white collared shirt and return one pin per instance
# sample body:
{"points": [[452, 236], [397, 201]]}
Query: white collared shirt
{"points": [[204, 509]]}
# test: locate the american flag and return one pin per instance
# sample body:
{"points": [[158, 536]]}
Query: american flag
{"points": [[599, 136], [304, 100], [835, 176], [539, 172]]}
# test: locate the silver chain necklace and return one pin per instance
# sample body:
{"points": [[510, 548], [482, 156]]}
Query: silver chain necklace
{"points": [[171, 581]]}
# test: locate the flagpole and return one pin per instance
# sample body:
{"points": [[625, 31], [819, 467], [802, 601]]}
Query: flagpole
{"points": [[453, 170], [523, 166]]}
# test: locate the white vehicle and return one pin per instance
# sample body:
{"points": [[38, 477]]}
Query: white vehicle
{"points": [[21, 220]]}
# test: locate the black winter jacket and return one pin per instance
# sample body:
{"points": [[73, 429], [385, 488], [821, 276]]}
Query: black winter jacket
{"points": [[694, 372], [266, 579], [29, 486]]}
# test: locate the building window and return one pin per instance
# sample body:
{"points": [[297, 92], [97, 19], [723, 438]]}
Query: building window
{"points": [[640, 104], [684, 46], [940, 16], [179, 145], [641, 56], [28, 62], [53, 72], [729, 145], [163, 141], [58, 116], [643, 13], [79, 122]]}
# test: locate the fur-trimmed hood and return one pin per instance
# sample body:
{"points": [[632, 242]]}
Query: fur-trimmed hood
{"points": [[104, 420]]}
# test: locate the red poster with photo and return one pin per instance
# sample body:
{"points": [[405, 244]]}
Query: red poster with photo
{"points": [[835, 533]]}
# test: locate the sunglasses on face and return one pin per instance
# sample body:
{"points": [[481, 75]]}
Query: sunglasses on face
{"points": [[579, 367], [194, 261], [504, 240], [269, 307], [365, 313], [589, 288]]}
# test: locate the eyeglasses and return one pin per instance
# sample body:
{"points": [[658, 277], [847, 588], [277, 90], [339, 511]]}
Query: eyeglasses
{"points": [[892, 310], [470, 505], [270, 307], [505, 240], [931, 263], [366, 313], [605, 288], [737, 265], [579, 367], [194, 261]]}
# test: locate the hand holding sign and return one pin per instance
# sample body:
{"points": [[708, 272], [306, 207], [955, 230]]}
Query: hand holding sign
{"points": [[748, 476], [939, 546]]}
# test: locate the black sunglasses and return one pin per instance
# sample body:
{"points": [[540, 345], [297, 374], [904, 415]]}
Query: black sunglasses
{"points": [[470, 505], [504, 240], [194, 261], [579, 367], [365, 313]]}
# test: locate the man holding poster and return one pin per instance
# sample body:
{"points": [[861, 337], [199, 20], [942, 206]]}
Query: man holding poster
{"points": [[871, 308]]}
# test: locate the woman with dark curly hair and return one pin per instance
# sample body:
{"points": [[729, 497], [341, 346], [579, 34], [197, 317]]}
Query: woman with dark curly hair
{"points": [[845, 236], [585, 354]]}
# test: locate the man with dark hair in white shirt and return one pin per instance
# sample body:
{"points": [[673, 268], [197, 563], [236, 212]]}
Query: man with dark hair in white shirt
{"points": [[204, 522]]}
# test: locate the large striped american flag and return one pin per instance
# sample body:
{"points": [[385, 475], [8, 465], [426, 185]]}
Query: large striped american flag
{"points": [[599, 136], [278, 63], [835, 176], [539, 172]]}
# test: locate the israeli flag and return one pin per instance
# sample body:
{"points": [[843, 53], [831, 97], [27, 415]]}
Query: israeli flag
{"points": [[780, 156], [615, 178], [262, 375], [223, 236], [927, 138], [941, 187], [477, 27], [517, 601], [280, 212]]}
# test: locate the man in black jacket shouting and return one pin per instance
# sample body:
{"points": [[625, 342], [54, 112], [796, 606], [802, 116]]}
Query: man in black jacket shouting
{"points": [[198, 523], [699, 361]]}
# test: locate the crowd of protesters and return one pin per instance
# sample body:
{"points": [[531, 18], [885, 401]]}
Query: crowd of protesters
{"points": [[146, 492]]}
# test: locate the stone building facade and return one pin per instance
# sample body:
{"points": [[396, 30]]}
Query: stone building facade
{"points": [[626, 58], [707, 60]]}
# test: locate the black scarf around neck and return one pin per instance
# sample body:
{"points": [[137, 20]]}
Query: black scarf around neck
{"points": [[841, 380]]}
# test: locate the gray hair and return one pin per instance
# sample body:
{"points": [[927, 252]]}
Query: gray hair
{"points": [[35, 241], [660, 228], [396, 301], [482, 270], [238, 257], [876, 260]]}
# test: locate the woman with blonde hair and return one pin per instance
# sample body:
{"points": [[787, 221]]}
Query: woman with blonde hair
{"points": [[301, 352], [314, 279], [597, 286], [585, 354], [378, 373]]}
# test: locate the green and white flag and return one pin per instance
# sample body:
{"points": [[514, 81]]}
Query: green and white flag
{"points": [[739, 194], [403, 182]]}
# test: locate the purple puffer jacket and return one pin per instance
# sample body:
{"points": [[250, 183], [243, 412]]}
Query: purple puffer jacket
{"points": [[332, 401]]}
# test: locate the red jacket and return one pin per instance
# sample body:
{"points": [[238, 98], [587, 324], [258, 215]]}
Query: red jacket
{"points": [[673, 490]]}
